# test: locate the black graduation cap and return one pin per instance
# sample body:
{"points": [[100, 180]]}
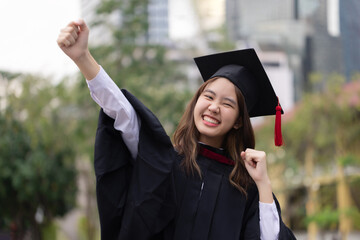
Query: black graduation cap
{"points": [[244, 69]]}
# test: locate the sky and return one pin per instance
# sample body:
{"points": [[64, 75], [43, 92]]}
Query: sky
{"points": [[29, 29]]}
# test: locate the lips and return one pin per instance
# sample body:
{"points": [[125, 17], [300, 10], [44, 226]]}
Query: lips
{"points": [[210, 121]]}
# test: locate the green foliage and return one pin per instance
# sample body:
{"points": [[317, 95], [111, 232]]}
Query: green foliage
{"points": [[326, 121], [49, 231], [82, 226], [83, 229], [81, 116], [36, 157], [354, 214], [349, 160], [327, 218]]}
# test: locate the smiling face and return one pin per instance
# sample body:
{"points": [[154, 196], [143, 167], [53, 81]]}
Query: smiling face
{"points": [[216, 112]]}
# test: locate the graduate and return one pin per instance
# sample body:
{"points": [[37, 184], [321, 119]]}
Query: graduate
{"points": [[209, 182]]}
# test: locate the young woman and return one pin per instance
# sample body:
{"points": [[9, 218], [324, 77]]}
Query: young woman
{"points": [[211, 184]]}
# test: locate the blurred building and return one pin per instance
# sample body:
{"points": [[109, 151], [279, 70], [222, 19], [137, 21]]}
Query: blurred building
{"points": [[323, 51], [158, 19], [248, 19], [211, 13], [350, 33], [270, 26], [332, 44], [317, 36], [276, 65], [157, 15]]}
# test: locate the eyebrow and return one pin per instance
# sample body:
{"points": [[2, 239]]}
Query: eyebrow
{"points": [[225, 98]]}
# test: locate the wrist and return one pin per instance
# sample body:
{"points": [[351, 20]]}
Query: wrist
{"points": [[87, 65], [83, 58], [265, 191]]}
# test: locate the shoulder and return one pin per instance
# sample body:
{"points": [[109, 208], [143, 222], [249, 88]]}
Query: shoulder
{"points": [[150, 124]]}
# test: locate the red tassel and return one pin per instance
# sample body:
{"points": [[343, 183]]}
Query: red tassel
{"points": [[278, 135]]}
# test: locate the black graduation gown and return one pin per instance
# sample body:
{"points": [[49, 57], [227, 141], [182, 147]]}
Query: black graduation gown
{"points": [[152, 198]]}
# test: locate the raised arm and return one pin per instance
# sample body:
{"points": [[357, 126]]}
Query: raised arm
{"points": [[73, 41]]}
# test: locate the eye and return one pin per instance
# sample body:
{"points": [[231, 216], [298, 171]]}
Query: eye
{"points": [[227, 105], [207, 96]]}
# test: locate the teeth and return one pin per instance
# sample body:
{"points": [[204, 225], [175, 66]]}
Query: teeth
{"points": [[210, 120]]}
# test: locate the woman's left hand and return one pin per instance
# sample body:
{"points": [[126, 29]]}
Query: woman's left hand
{"points": [[255, 163]]}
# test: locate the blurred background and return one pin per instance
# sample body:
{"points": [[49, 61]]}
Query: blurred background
{"points": [[309, 48]]}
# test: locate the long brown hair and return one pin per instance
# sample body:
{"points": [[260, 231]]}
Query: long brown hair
{"points": [[186, 138]]}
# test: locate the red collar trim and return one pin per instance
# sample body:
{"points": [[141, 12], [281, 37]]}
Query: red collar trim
{"points": [[215, 156]]}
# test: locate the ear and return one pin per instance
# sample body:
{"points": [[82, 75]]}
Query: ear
{"points": [[238, 124]]}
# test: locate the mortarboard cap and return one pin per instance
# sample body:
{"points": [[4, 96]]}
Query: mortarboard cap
{"points": [[244, 69]]}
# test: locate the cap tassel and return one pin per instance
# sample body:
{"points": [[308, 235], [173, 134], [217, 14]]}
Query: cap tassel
{"points": [[278, 135]]}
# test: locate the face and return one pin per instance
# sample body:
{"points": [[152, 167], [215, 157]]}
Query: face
{"points": [[216, 112]]}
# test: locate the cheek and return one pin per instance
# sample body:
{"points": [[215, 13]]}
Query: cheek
{"points": [[198, 107], [233, 117]]}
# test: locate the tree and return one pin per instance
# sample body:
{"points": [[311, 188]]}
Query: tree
{"points": [[37, 172]]}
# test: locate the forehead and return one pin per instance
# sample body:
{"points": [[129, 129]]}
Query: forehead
{"points": [[221, 86]]}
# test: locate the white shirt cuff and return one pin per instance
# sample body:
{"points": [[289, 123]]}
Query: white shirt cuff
{"points": [[269, 221]]}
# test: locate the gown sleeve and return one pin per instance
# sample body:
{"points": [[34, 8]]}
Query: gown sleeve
{"points": [[134, 187], [136, 199], [285, 233], [112, 164]]}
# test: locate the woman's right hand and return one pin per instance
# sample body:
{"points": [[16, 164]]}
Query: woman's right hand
{"points": [[73, 40]]}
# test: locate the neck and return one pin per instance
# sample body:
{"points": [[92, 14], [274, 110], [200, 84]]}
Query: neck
{"points": [[212, 142]]}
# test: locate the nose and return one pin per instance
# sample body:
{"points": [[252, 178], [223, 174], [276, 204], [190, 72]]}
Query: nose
{"points": [[214, 107]]}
